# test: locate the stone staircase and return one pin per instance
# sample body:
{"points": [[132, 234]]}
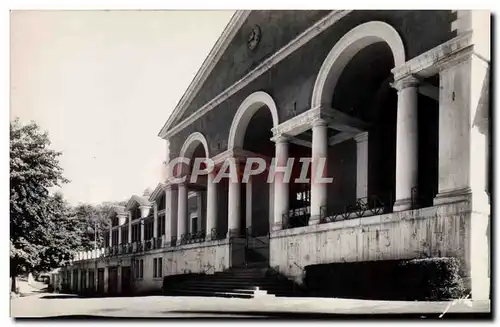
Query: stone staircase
{"points": [[237, 282]]}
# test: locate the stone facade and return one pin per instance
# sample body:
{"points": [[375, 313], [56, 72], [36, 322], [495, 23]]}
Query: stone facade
{"points": [[396, 102]]}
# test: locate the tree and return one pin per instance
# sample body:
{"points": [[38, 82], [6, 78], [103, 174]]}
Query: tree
{"points": [[37, 218], [91, 217]]}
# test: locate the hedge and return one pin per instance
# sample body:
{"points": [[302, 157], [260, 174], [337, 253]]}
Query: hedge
{"points": [[430, 279]]}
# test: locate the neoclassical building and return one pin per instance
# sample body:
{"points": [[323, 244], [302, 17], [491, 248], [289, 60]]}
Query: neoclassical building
{"points": [[397, 102]]}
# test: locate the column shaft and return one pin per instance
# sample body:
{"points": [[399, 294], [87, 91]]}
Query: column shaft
{"points": [[362, 165], [234, 199], [211, 204], [281, 193], [406, 142], [182, 210], [318, 167]]}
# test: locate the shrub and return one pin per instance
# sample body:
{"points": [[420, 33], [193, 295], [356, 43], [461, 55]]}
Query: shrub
{"points": [[432, 279]]}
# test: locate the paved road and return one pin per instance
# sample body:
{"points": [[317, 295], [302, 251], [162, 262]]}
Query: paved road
{"points": [[52, 305]]}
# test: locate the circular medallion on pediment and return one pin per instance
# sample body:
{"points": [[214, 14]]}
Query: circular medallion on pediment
{"points": [[254, 37]]}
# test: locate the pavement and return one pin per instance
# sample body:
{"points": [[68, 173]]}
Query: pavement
{"points": [[60, 305]]}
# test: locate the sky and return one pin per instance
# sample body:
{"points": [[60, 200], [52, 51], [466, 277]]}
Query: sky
{"points": [[103, 83]]}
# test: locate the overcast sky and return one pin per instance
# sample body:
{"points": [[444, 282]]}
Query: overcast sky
{"points": [[103, 83]]}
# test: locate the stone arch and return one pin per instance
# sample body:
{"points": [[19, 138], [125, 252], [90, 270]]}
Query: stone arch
{"points": [[346, 48], [191, 143], [246, 110]]}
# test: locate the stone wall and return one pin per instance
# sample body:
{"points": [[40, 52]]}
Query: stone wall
{"points": [[429, 232]]}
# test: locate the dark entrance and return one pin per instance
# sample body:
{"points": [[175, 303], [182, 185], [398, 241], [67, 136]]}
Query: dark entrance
{"points": [[100, 280], [113, 280], [126, 280]]}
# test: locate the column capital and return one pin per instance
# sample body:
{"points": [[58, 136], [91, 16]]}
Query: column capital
{"points": [[406, 82], [319, 122], [361, 137]]}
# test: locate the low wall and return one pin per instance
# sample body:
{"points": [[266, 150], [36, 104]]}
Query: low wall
{"points": [[429, 232]]}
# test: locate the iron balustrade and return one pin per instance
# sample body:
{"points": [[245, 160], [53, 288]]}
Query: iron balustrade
{"points": [[173, 241], [372, 205], [298, 217], [147, 245]]}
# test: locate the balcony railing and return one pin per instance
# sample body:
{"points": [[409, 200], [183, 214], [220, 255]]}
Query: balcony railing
{"points": [[298, 217], [364, 207]]}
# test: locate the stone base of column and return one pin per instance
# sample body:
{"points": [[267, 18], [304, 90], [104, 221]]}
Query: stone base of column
{"points": [[402, 205], [314, 220], [453, 196], [277, 226]]}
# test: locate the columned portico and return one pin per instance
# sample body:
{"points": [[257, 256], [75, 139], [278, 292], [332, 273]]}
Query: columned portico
{"points": [[406, 142], [318, 166], [281, 196]]}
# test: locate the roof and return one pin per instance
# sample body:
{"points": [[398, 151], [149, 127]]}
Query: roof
{"points": [[156, 192], [119, 210], [141, 200], [206, 68]]}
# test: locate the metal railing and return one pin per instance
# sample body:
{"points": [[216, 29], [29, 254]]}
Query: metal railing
{"points": [[298, 217], [363, 207]]}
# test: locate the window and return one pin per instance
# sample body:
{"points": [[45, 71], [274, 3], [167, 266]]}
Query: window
{"points": [[138, 268], [125, 235], [161, 225], [136, 232], [157, 267], [148, 228], [114, 237], [106, 239], [194, 225]]}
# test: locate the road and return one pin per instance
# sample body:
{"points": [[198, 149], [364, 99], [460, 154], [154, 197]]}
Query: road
{"points": [[54, 305]]}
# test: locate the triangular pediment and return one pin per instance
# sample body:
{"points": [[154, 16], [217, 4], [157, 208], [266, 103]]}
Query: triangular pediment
{"points": [[250, 38]]}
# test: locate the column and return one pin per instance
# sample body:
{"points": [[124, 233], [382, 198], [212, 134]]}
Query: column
{"points": [[319, 152], [271, 205], [361, 165], [119, 281], [281, 193], [106, 279], [110, 234], [129, 228], [119, 235], [155, 220], [248, 204], [463, 140], [170, 213], [141, 226], [406, 142], [199, 208], [182, 210], [234, 199], [211, 204]]}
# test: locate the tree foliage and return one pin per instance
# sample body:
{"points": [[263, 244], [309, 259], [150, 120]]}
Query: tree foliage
{"points": [[40, 232]]}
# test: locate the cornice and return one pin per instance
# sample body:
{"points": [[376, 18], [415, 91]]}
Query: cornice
{"points": [[208, 65], [263, 67]]}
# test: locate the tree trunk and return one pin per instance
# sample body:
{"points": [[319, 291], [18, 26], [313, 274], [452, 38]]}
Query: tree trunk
{"points": [[13, 278]]}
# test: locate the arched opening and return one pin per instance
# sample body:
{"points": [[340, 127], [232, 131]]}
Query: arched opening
{"points": [[373, 100], [255, 194], [251, 131], [195, 147]]}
